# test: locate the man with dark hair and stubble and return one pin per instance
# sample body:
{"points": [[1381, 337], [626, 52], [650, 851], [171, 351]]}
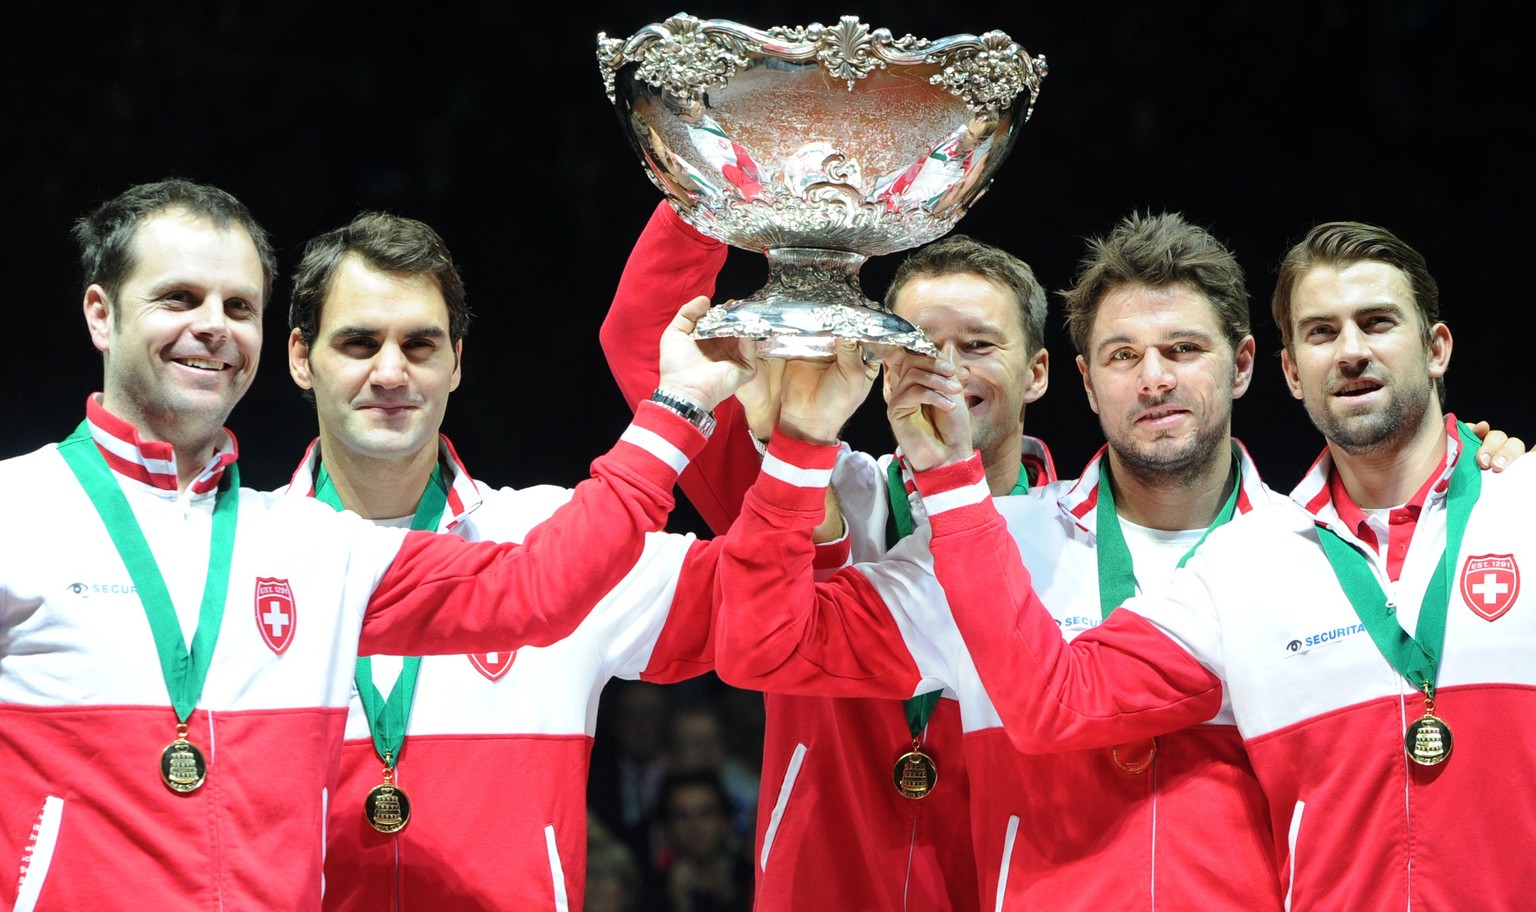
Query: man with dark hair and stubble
{"points": [[485, 755], [1160, 318]]}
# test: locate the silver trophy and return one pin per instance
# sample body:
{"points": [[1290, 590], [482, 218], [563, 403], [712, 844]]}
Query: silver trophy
{"points": [[819, 146]]}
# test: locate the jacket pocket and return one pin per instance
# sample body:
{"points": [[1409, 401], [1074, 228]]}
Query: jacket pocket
{"points": [[562, 902], [1290, 851], [786, 788], [38, 855]]}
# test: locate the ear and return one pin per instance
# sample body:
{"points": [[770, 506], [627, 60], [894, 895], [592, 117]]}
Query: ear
{"points": [[1039, 376], [1292, 378], [458, 363], [298, 361], [98, 317], [1093, 400], [1242, 373], [1439, 350]]}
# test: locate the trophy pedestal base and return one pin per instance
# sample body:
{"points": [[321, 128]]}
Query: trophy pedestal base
{"points": [[812, 299]]}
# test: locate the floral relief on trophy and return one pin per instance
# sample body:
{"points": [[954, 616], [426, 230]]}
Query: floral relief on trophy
{"points": [[840, 142]]}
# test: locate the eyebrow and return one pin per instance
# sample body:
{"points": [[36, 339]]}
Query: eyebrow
{"points": [[1365, 310], [980, 329], [430, 331], [176, 283]]}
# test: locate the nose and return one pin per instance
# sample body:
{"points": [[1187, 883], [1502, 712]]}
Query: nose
{"points": [[209, 321], [1155, 373], [389, 368], [1350, 346]]}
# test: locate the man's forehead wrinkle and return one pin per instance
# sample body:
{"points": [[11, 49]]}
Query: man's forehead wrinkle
{"points": [[1169, 335]]}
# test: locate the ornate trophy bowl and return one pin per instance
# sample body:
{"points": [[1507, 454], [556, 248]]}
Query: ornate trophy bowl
{"points": [[819, 146]]}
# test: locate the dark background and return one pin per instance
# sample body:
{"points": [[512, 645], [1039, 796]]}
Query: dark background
{"points": [[1256, 119]]}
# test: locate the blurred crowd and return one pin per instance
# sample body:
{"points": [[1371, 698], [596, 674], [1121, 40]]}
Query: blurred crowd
{"points": [[672, 798]]}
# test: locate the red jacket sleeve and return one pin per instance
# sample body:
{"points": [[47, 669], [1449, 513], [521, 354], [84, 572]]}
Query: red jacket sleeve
{"points": [[1121, 681], [671, 264], [538, 591], [778, 629]]}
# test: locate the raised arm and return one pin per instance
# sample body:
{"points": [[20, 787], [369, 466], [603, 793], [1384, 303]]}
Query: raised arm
{"points": [[539, 591], [1121, 681], [778, 629], [670, 264]]}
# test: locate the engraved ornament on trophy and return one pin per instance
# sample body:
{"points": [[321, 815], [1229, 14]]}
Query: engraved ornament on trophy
{"points": [[819, 146]]}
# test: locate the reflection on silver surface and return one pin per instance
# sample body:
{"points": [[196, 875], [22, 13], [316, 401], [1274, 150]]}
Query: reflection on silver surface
{"points": [[819, 146]]}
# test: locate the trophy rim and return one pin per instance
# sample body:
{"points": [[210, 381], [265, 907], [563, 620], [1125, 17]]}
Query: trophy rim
{"points": [[850, 51]]}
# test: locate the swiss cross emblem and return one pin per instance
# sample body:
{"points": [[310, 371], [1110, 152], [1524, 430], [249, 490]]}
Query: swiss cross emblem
{"points": [[492, 664], [1490, 583], [276, 615]]}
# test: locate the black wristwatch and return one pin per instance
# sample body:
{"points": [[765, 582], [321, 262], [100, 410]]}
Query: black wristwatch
{"points": [[686, 410]]}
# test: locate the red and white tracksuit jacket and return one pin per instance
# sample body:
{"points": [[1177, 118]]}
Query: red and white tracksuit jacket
{"points": [[1258, 617], [84, 712], [832, 831], [498, 743], [1067, 830]]}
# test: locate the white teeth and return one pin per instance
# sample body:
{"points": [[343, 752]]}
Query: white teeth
{"points": [[202, 363]]}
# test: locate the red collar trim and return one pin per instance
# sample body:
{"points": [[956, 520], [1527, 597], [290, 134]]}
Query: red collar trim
{"points": [[463, 492], [151, 462], [1081, 499], [1353, 517]]}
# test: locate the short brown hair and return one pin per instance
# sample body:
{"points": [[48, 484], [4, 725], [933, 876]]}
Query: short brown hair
{"points": [[106, 234], [1343, 244], [1157, 251], [960, 254], [390, 243]]}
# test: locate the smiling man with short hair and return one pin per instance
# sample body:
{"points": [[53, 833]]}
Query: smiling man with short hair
{"points": [[138, 769]]}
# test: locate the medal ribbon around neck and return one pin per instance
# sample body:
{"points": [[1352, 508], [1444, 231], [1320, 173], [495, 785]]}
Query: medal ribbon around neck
{"points": [[1416, 657], [184, 670], [387, 717], [1117, 583], [920, 708], [1117, 574]]}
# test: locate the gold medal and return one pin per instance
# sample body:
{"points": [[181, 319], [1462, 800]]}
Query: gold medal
{"points": [[182, 767], [915, 773], [1428, 740], [1134, 757], [387, 808]]}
